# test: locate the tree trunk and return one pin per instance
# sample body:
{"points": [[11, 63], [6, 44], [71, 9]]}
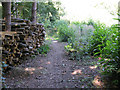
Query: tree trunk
{"points": [[34, 10], [7, 15], [17, 14], [0, 16], [13, 9]]}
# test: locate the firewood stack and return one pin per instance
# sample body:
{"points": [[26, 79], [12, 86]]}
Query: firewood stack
{"points": [[23, 42]]}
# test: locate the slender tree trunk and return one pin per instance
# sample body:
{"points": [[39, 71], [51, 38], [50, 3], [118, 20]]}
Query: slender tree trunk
{"points": [[34, 11], [7, 15], [13, 9], [23, 11], [17, 15]]}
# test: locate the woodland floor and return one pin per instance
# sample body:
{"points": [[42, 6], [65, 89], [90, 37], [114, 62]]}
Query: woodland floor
{"points": [[54, 71]]}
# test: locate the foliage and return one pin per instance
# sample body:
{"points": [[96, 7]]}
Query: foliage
{"points": [[79, 23], [112, 9], [43, 49], [91, 22], [104, 41], [76, 34], [49, 11], [98, 40], [64, 33], [104, 44], [48, 14], [46, 11], [78, 41]]}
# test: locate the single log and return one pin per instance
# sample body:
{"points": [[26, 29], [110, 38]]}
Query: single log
{"points": [[22, 45], [15, 25], [8, 37], [5, 52], [18, 20]]}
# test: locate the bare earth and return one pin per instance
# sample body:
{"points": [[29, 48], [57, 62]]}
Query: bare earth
{"points": [[53, 71]]}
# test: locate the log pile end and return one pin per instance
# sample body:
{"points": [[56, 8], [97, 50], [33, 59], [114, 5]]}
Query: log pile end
{"points": [[22, 41]]}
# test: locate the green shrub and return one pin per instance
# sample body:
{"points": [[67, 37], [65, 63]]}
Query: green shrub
{"points": [[110, 63], [43, 49], [91, 22], [104, 44], [78, 43], [64, 33], [79, 23], [98, 39]]}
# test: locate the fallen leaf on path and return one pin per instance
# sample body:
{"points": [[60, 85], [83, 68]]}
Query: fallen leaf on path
{"points": [[77, 72], [96, 82], [93, 67]]}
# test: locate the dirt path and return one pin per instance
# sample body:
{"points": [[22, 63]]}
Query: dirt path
{"points": [[53, 71]]}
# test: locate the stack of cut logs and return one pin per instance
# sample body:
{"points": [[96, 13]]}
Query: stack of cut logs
{"points": [[22, 41]]}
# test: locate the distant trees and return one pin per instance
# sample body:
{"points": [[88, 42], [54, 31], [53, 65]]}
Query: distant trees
{"points": [[50, 11], [44, 10], [34, 11]]}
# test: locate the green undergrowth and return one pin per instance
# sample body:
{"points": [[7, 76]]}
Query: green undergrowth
{"points": [[44, 49]]}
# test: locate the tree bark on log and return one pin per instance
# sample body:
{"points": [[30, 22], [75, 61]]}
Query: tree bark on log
{"points": [[34, 11], [7, 15]]}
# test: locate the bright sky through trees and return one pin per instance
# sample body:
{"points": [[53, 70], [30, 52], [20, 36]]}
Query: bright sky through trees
{"points": [[78, 10]]}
